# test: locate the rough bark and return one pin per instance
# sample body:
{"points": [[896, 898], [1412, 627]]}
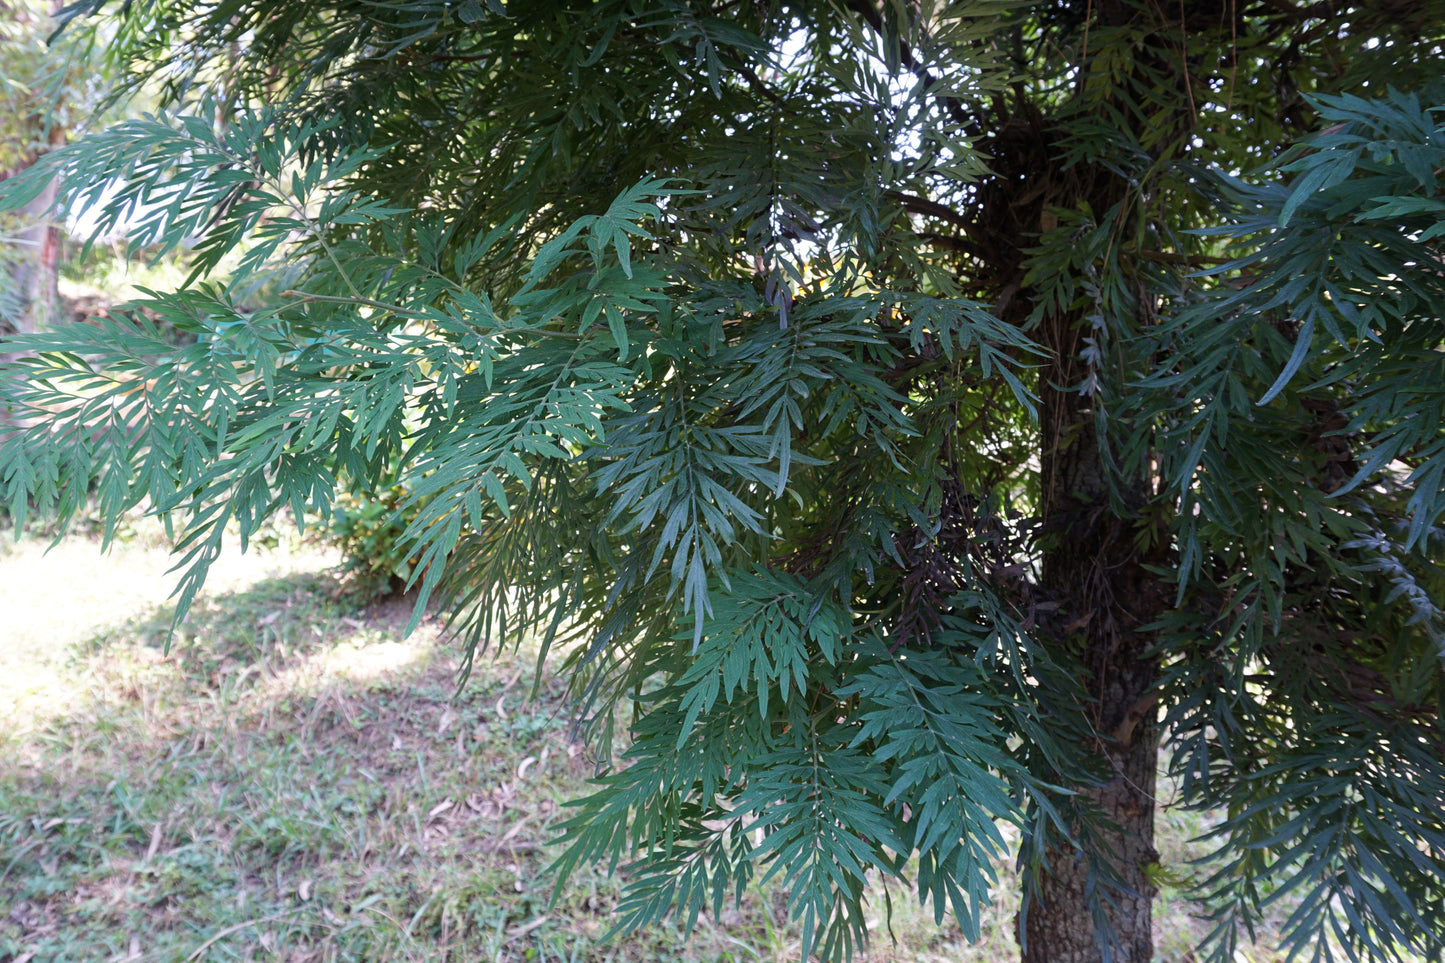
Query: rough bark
{"points": [[1093, 567], [1095, 575], [1060, 927]]}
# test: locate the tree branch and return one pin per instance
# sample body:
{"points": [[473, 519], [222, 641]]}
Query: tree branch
{"points": [[914, 204], [1197, 260], [874, 19], [757, 85]]}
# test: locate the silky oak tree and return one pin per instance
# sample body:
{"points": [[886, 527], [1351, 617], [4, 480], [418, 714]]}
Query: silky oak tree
{"points": [[897, 420]]}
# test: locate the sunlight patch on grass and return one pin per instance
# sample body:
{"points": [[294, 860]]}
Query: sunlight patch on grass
{"points": [[363, 662], [55, 598]]}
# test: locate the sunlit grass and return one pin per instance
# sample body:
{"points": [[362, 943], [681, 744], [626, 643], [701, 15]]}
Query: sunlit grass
{"points": [[292, 780]]}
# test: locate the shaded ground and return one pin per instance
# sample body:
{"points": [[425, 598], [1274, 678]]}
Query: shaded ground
{"points": [[293, 781]]}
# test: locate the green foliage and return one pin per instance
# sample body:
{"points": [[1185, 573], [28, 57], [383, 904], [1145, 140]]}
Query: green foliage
{"points": [[1330, 342], [837, 393], [368, 527]]}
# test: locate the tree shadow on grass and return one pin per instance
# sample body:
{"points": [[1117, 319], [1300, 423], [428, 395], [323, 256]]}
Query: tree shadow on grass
{"points": [[275, 620], [291, 780]]}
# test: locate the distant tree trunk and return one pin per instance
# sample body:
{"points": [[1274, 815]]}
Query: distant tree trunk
{"points": [[35, 274], [33, 265], [34, 270]]}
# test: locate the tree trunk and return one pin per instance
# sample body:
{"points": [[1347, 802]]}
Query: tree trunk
{"points": [[1093, 567], [1060, 926], [1094, 578], [34, 274]]}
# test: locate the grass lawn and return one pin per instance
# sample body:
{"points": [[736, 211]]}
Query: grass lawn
{"points": [[296, 781]]}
